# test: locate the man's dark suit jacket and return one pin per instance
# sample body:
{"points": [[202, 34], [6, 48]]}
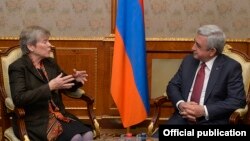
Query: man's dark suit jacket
{"points": [[225, 89], [30, 91]]}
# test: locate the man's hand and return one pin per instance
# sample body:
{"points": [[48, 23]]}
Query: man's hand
{"points": [[191, 110]]}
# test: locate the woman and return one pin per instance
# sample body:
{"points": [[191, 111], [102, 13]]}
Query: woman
{"points": [[36, 82]]}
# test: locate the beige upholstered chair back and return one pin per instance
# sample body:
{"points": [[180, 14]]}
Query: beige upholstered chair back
{"points": [[245, 64], [6, 61]]}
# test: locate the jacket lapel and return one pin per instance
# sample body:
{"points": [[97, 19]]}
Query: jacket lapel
{"points": [[214, 75], [50, 69], [191, 74], [31, 67]]}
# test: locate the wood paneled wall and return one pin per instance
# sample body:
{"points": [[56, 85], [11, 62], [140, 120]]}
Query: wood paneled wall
{"points": [[95, 56]]}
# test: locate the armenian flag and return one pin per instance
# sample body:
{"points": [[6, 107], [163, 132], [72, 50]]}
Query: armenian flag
{"points": [[129, 84]]}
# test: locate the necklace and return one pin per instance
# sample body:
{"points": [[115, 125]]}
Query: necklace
{"points": [[42, 72]]}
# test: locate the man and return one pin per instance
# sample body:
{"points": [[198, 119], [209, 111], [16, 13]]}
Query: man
{"points": [[219, 90]]}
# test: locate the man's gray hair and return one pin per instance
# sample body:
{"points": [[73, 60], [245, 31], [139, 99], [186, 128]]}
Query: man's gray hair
{"points": [[215, 37]]}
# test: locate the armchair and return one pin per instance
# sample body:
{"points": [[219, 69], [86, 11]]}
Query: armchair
{"points": [[239, 116], [9, 109]]}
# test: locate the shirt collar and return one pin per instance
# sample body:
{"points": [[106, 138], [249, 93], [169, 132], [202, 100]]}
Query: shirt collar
{"points": [[210, 63]]}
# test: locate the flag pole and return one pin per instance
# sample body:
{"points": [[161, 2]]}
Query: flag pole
{"points": [[128, 130]]}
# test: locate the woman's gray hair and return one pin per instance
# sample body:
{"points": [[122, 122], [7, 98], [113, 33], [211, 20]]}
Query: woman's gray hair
{"points": [[215, 37], [30, 36]]}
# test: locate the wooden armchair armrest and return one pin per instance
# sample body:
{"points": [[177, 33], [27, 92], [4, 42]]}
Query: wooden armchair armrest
{"points": [[160, 100], [90, 101], [87, 98], [90, 107], [20, 122], [20, 113], [237, 117], [157, 103]]}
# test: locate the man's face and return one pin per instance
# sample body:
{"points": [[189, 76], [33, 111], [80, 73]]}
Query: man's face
{"points": [[200, 50]]}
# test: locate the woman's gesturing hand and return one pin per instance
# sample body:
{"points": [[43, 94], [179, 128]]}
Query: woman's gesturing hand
{"points": [[61, 82]]}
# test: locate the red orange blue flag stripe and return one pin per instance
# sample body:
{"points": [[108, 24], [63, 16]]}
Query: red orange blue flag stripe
{"points": [[129, 84]]}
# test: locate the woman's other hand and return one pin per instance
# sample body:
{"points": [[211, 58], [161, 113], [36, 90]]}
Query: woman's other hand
{"points": [[80, 76]]}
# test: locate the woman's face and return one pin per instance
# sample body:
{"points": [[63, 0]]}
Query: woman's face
{"points": [[42, 48]]}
